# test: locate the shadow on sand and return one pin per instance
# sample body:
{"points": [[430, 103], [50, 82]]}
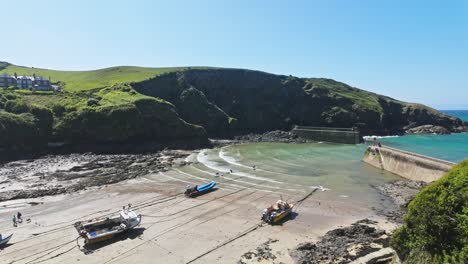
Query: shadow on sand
{"points": [[2, 247], [130, 234], [205, 192]]}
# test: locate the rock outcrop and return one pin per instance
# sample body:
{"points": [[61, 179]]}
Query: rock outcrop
{"points": [[344, 245], [228, 102], [428, 129]]}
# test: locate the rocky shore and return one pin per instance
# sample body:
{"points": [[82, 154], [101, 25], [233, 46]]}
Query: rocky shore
{"points": [[400, 193], [344, 245], [272, 136], [58, 174], [428, 129]]}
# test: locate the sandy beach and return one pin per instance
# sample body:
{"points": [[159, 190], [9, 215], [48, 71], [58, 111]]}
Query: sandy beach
{"points": [[218, 227]]}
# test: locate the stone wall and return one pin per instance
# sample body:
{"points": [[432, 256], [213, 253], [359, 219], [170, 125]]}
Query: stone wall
{"points": [[407, 164], [328, 134]]}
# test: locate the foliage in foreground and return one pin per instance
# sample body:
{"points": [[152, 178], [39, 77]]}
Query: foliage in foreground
{"points": [[436, 225]]}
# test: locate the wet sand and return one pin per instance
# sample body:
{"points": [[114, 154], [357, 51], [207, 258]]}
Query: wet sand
{"points": [[174, 229]]}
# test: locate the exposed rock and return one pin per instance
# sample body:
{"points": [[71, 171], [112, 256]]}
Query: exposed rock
{"points": [[342, 245], [400, 194], [230, 102], [52, 175], [272, 136], [261, 253], [428, 129]]}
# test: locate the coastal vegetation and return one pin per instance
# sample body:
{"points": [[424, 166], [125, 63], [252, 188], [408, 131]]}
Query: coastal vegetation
{"points": [[435, 228], [136, 104]]}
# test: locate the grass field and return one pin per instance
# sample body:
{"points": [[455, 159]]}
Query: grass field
{"points": [[76, 81]]}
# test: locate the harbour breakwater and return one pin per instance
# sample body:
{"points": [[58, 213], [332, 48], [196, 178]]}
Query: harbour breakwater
{"points": [[328, 134], [407, 164]]}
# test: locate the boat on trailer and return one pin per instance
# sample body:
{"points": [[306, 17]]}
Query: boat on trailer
{"points": [[196, 190], [4, 240], [103, 229], [274, 214]]}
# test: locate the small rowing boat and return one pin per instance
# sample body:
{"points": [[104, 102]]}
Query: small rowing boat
{"points": [[196, 190]]}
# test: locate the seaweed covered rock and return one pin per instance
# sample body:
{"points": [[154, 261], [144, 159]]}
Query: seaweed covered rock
{"points": [[435, 228]]}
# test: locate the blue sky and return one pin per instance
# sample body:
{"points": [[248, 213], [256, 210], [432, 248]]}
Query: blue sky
{"points": [[411, 50]]}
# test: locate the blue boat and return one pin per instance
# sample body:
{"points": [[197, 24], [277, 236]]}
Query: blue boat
{"points": [[196, 190]]}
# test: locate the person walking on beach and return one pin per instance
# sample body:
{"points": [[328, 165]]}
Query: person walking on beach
{"points": [[18, 216], [14, 221]]}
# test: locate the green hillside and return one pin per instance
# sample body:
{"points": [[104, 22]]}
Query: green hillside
{"points": [[75, 81], [134, 104]]}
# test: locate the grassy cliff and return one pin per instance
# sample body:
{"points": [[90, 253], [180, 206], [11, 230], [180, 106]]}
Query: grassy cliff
{"points": [[126, 104], [435, 228]]}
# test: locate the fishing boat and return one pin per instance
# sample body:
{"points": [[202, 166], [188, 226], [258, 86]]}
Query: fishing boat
{"points": [[274, 214], [4, 240], [103, 229], [196, 190]]}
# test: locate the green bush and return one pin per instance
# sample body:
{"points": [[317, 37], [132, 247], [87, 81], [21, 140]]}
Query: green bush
{"points": [[18, 131], [437, 221], [16, 106], [58, 110], [145, 119]]}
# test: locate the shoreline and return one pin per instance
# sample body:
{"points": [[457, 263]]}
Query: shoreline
{"points": [[170, 222]]}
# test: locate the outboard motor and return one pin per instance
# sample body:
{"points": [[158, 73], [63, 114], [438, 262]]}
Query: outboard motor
{"points": [[190, 190]]}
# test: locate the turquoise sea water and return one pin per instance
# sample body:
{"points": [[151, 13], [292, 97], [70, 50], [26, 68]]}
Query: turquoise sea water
{"points": [[462, 114], [453, 147], [292, 170]]}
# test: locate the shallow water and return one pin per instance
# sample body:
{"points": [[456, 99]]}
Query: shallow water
{"points": [[293, 170]]}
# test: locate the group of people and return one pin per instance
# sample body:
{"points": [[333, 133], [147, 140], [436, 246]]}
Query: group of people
{"points": [[254, 167], [17, 219]]}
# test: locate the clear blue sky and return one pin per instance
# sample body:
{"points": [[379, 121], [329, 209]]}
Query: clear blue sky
{"points": [[411, 50]]}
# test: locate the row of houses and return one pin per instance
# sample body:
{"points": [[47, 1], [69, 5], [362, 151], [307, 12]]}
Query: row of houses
{"points": [[25, 82]]}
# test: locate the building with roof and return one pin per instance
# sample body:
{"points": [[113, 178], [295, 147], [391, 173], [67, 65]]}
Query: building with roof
{"points": [[41, 84], [7, 80], [24, 82]]}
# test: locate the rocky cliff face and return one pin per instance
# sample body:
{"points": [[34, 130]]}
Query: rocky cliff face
{"points": [[229, 102]]}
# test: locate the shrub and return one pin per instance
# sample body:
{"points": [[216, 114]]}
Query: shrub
{"points": [[16, 106], [18, 131], [58, 109], [437, 221], [92, 102]]}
